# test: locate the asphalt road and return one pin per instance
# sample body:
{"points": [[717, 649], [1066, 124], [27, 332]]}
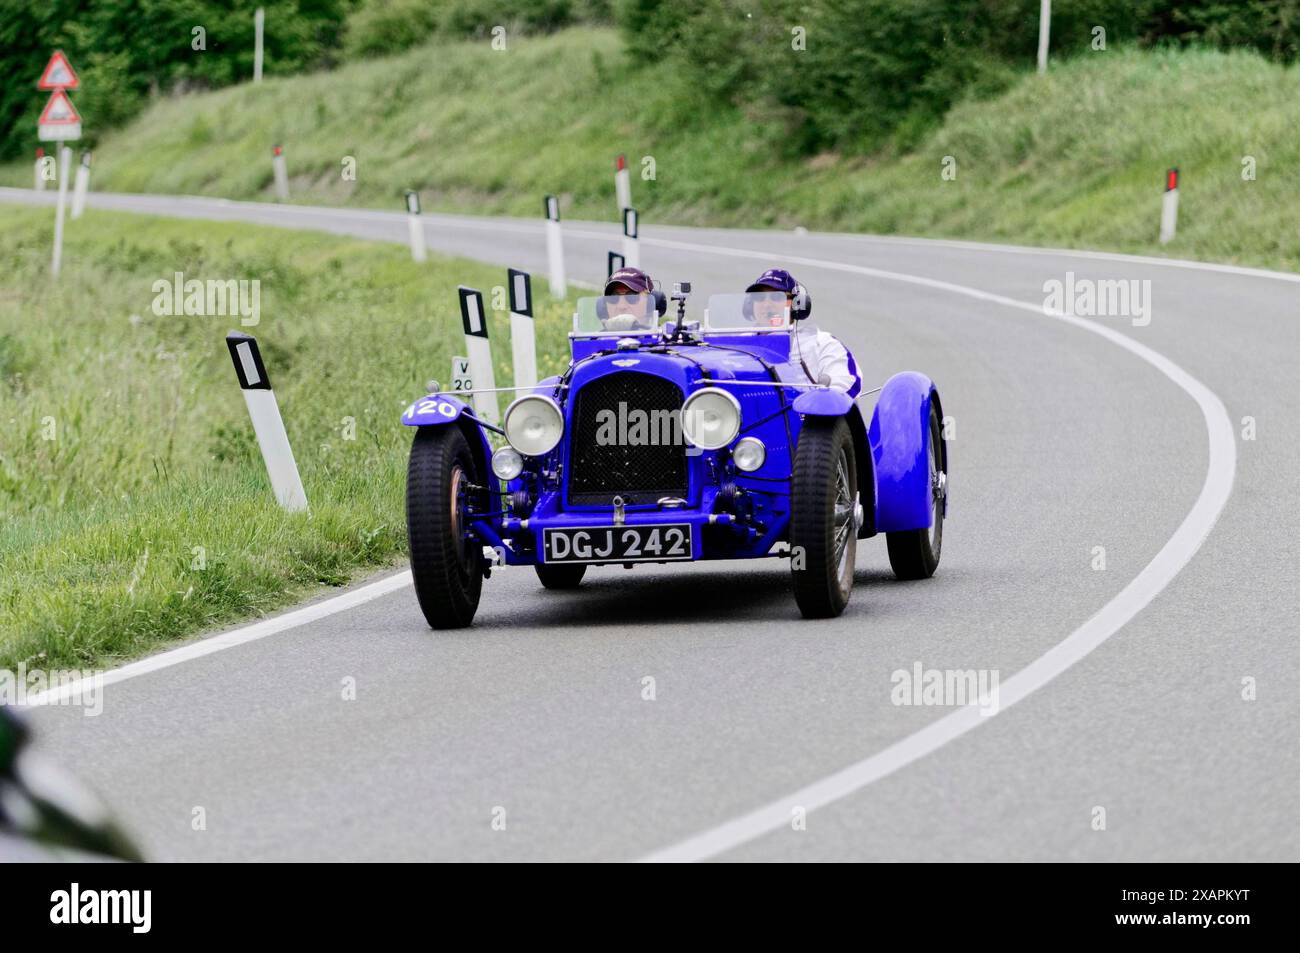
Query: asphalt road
{"points": [[1122, 688]]}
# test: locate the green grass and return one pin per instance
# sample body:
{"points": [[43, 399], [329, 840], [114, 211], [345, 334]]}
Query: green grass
{"points": [[1076, 159], [134, 504]]}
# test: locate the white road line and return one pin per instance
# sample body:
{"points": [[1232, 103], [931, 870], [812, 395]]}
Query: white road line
{"points": [[1134, 597], [226, 640]]}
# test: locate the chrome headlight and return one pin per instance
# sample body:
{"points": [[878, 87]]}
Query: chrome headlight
{"points": [[711, 418], [507, 463], [748, 454], [534, 424]]}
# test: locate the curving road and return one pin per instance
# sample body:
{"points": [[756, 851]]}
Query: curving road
{"points": [[1120, 689]]}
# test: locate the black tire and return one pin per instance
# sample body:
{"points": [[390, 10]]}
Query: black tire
{"points": [[561, 575], [448, 573], [822, 529], [914, 554]]}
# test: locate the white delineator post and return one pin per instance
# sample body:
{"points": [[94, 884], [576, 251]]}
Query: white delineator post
{"points": [[414, 226], [622, 184], [1169, 211], [555, 247], [65, 168], [281, 174], [631, 247], [267, 422], [613, 262], [523, 346], [1044, 33], [40, 178], [480, 354], [79, 187], [259, 27]]}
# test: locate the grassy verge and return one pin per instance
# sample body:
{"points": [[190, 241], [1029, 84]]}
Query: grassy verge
{"points": [[134, 505], [1073, 159]]}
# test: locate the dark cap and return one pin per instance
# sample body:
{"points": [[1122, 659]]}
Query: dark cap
{"points": [[775, 278], [635, 279]]}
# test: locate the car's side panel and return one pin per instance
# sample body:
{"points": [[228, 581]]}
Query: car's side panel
{"points": [[899, 430]]}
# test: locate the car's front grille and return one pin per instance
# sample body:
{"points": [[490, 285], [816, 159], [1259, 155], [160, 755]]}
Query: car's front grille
{"points": [[625, 440]]}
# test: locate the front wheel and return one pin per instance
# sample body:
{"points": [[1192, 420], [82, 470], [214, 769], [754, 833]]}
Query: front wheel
{"points": [[914, 553], [823, 533], [442, 486]]}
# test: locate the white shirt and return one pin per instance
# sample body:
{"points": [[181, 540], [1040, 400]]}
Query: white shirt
{"points": [[823, 353]]}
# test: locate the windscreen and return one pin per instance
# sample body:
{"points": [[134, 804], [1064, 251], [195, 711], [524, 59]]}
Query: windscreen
{"points": [[616, 314], [749, 311]]}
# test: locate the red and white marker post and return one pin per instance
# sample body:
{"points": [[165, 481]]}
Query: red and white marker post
{"points": [[81, 185], [555, 247], [414, 227], [523, 343], [40, 170], [622, 184], [59, 122], [1169, 211], [631, 247], [474, 318], [281, 174], [267, 422]]}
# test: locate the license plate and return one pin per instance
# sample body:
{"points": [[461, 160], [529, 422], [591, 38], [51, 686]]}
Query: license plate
{"points": [[618, 544]]}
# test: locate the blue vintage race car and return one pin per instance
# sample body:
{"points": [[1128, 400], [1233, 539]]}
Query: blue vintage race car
{"points": [[686, 441]]}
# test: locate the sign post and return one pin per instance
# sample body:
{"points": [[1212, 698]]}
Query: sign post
{"points": [[555, 247], [1169, 211], [414, 228], [631, 247], [622, 184], [81, 185], [281, 174], [259, 23], [268, 425], [1044, 33], [480, 353], [59, 122], [523, 346]]}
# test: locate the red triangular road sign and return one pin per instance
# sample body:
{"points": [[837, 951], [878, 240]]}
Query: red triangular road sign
{"points": [[59, 111], [58, 73]]}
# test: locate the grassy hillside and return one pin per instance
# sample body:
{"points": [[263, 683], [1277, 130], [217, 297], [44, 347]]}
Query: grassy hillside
{"points": [[134, 504], [1074, 159]]}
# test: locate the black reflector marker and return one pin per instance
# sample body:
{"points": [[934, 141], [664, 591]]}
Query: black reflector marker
{"points": [[554, 247], [631, 247], [613, 262], [479, 350], [268, 425], [523, 346]]}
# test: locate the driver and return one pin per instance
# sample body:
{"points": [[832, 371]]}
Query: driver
{"points": [[631, 310], [823, 357]]}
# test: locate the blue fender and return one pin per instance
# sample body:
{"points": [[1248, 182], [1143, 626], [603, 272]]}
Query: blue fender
{"points": [[823, 403], [434, 409], [900, 427]]}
